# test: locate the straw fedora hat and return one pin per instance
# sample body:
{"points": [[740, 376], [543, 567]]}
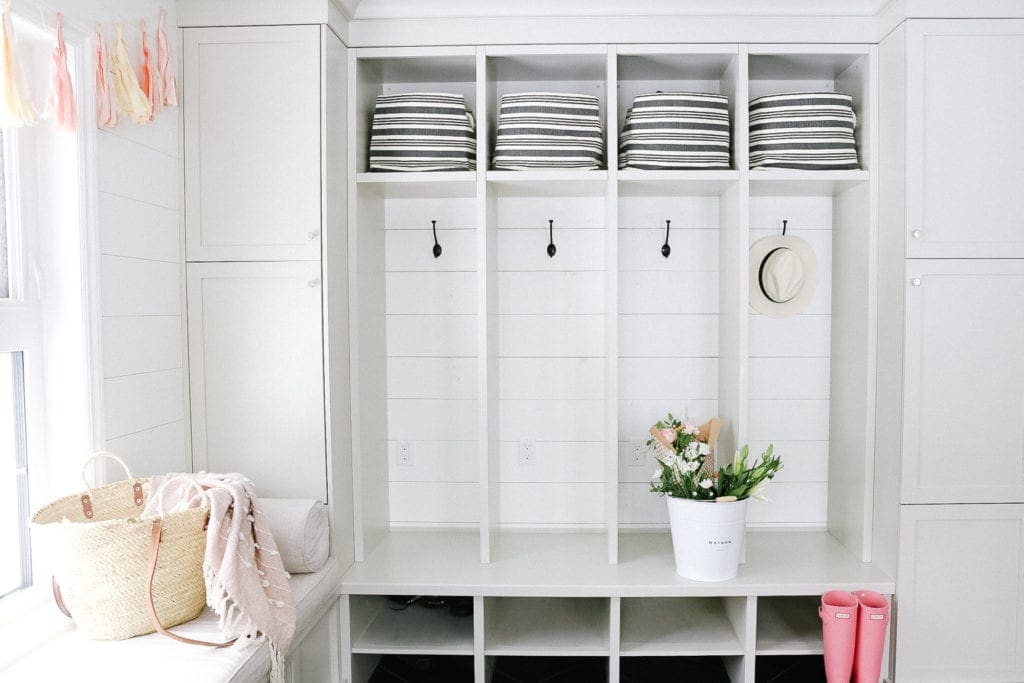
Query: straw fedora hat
{"points": [[783, 275]]}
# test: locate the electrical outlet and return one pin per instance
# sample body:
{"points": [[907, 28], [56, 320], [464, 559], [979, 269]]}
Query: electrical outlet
{"points": [[404, 454], [637, 453], [527, 455]]}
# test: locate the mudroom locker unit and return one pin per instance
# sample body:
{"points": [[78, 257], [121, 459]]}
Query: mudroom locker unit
{"points": [[477, 420]]}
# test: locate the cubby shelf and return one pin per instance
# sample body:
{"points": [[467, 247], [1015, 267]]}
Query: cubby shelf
{"points": [[547, 183], [667, 627], [413, 631], [788, 626], [422, 184], [538, 626], [782, 182], [635, 182]]}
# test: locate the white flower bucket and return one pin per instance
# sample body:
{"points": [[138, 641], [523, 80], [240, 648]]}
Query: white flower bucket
{"points": [[707, 537]]}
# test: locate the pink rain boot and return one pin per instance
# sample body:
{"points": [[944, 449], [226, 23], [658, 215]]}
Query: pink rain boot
{"points": [[838, 612], [872, 622]]}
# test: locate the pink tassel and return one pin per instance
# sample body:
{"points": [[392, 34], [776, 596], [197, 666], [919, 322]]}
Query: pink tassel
{"points": [[62, 95], [149, 80], [106, 112], [163, 64]]}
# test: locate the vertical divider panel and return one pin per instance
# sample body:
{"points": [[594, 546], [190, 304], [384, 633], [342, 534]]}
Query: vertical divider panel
{"points": [[611, 322], [353, 306], [487, 316], [734, 228], [479, 660], [742, 613], [614, 638]]}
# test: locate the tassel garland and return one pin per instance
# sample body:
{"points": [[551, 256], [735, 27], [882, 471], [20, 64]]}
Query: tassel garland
{"points": [[131, 99], [61, 101], [15, 104], [169, 81], [106, 109]]}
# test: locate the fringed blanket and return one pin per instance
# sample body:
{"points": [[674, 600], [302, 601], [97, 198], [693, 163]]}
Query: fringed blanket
{"points": [[246, 584]]}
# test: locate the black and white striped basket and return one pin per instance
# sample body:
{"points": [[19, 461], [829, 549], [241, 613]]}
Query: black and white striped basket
{"points": [[676, 131], [809, 131], [422, 132], [548, 130]]}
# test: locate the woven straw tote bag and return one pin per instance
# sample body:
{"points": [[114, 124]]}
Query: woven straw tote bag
{"points": [[116, 574]]}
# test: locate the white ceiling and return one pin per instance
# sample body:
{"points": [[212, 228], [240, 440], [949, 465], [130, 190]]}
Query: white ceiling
{"points": [[416, 9]]}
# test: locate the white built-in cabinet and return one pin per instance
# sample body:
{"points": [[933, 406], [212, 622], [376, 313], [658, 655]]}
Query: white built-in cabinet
{"points": [[965, 96], [949, 450], [255, 210], [252, 143], [256, 369], [964, 393], [961, 616]]}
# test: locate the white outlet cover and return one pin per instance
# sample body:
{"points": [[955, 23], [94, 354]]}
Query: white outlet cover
{"points": [[403, 453], [637, 454], [527, 452]]}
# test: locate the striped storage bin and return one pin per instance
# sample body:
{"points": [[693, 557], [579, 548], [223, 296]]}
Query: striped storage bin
{"points": [[809, 131], [676, 131], [548, 130], [422, 132]]}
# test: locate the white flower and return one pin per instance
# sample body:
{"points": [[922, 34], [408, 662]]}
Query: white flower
{"points": [[694, 494], [704, 449], [706, 484], [693, 449]]}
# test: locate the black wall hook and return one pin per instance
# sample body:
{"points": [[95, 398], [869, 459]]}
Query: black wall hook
{"points": [[665, 248], [437, 247], [784, 222], [551, 239]]}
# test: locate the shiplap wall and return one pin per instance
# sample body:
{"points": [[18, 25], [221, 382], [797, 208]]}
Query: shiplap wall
{"points": [[431, 332], [789, 372], [137, 171], [668, 332]]}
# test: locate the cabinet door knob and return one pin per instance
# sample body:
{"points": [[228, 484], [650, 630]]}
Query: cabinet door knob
{"points": [[916, 234], [312, 235], [916, 281], [315, 282]]}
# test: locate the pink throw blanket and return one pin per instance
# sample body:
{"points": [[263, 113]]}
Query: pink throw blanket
{"points": [[246, 584]]}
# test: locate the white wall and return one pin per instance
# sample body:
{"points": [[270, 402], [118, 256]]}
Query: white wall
{"points": [[138, 184]]}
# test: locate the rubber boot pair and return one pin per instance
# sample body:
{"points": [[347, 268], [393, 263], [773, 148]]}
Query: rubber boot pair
{"points": [[853, 630]]}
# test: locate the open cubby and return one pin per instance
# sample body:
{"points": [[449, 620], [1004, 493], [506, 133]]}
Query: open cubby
{"points": [[788, 625], [406, 70], [572, 69], [379, 627], [498, 392], [682, 627], [647, 69], [546, 627], [780, 69]]}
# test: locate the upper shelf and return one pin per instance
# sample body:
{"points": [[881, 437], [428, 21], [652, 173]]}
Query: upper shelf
{"points": [[712, 183], [543, 183], [784, 182], [420, 184], [576, 564]]}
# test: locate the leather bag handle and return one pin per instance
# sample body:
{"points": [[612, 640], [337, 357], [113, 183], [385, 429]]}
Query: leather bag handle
{"points": [[154, 551]]}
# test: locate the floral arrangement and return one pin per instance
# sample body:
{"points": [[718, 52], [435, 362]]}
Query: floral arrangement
{"points": [[684, 470]]}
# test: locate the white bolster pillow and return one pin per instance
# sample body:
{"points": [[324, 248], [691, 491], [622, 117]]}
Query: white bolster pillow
{"points": [[301, 531]]}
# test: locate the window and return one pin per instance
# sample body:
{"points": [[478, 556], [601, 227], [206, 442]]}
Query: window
{"points": [[45, 425], [15, 567]]}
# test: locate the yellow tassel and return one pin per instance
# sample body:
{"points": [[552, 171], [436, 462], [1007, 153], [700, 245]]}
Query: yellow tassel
{"points": [[15, 104], [131, 100]]}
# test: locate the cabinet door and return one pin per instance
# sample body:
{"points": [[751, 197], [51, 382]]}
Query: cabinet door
{"points": [[965, 142], [961, 578], [964, 382], [252, 143], [256, 374]]}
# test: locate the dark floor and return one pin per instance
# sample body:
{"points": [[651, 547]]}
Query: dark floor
{"points": [[419, 669]]}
